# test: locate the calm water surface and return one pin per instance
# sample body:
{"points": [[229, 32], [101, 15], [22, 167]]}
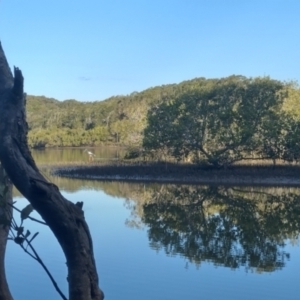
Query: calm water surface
{"points": [[155, 241]]}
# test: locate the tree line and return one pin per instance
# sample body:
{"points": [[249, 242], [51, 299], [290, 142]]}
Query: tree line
{"points": [[210, 121], [117, 120]]}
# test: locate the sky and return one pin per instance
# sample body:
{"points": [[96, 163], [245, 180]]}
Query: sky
{"points": [[93, 49]]}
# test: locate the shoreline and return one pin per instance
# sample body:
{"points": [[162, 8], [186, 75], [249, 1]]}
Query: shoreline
{"points": [[185, 174]]}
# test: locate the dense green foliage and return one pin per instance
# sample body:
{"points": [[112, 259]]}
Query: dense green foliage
{"points": [[216, 121], [72, 123], [117, 120], [221, 121]]}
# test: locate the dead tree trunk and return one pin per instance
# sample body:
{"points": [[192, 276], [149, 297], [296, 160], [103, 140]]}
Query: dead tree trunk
{"points": [[65, 219], [5, 218]]}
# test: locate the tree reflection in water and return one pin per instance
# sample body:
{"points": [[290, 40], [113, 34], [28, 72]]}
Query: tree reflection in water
{"points": [[232, 227]]}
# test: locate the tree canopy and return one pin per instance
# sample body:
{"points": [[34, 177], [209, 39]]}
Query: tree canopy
{"points": [[224, 120]]}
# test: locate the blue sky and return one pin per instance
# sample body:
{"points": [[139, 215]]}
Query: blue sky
{"points": [[93, 49]]}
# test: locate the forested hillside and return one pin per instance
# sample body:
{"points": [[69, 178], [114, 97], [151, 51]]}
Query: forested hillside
{"points": [[121, 119]]}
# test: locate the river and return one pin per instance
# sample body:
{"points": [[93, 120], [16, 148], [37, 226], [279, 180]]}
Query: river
{"points": [[169, 241]]}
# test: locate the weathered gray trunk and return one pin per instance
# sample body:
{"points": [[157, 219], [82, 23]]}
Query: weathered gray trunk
{"points": [[65, 219], [5, 215]]}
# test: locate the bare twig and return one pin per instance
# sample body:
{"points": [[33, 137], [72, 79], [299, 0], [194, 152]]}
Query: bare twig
{"points": [[31, 218], [39, 260]]}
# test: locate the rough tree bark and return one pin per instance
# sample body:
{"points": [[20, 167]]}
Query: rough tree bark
{"points": [[5, 215], [65, 219]]}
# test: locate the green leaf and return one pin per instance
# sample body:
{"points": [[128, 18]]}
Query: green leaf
{"points": [[27, 234], [26, 212], [33, 237]]}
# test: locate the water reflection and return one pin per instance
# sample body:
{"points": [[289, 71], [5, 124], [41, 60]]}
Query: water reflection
{"points": [[229, 226], [232, 227], [245, 228]]}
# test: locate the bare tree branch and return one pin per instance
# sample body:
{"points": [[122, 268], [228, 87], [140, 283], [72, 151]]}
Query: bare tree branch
{"points": [[65, 219], [5, 216]]}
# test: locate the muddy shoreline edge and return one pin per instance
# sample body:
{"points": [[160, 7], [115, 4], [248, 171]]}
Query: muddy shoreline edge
{"points": [[268, 175]]}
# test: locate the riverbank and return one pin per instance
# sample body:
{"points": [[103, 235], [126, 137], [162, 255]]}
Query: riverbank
{"points": [[190, 174]]}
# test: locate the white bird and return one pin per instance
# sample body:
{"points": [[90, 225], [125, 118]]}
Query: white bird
{"points": [[90, 154]]}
